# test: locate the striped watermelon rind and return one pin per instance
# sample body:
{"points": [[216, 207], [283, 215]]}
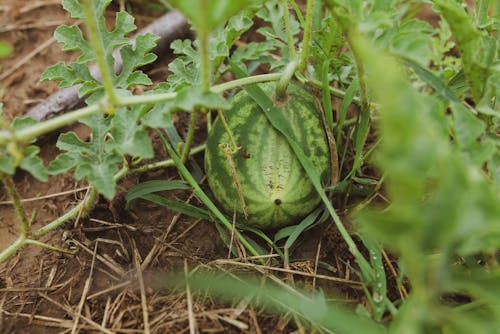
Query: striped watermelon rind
{"points": [[276, 189]]}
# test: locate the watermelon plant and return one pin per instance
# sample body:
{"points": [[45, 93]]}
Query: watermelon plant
{"points": [[412, 105]]}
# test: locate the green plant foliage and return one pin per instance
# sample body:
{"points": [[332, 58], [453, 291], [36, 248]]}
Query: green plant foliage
{"points": [[277, 36], [206, 15], [185, 68], [16, 155], [477, 49], [190, 98], [78, 72], [93, 160], [413, 106], [441, 205]]}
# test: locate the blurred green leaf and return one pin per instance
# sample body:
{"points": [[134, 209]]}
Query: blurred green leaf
{"points": [[312, 307], [33, 164], [5, 49], [7, 162], [206, 15], [476, 49], [412, 40], [441, 205], [16, 155], [470, 135], [75, 8]]}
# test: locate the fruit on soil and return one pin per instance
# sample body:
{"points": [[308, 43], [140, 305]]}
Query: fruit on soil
{"points": [[275, 188]]}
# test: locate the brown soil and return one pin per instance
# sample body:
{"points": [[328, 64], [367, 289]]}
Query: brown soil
{"points": [[97, 289]]}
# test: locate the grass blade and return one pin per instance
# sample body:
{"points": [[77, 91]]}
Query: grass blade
{"points": [[326, 97], [429, 78], [153, 186], [184, 208], [346, 102]]}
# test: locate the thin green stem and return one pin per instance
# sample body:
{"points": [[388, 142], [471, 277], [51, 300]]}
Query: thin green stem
{"points": [[165, 163], [145, 99], [363, 94], [29, 133], [334, 91], [286, 18], [13, 248], [205, 62], [245, 81], [47, 246], [203, 36], [286, 76], [306, 40], [98, 47], [83, 208], [190, 135], [16, 200], [204, 53], [202, 196]]}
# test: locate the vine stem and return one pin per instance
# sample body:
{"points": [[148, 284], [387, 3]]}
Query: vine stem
{"points": [[286, 18], [190, 135], [31, 132], [365, 104], [14, 247], [82, 209], [165, 163], [52, 124], [203, 36], [306, 40], [16, 200], [98, 47], [21, 215], [286, 76]]}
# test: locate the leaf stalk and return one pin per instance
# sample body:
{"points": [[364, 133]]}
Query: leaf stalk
{"points": [[306, 41], [98, 47]]}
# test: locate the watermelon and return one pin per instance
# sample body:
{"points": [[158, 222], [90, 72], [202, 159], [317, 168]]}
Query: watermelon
{"points": [[275, 188]]}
